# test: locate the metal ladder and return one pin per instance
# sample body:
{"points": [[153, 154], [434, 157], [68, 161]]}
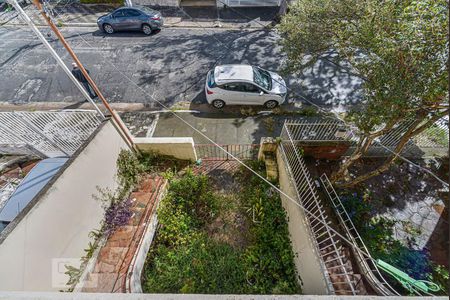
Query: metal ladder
{"points": [[365, 263]]}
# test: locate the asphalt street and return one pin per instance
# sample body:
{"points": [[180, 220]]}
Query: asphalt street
{"points": [[169, 66]]}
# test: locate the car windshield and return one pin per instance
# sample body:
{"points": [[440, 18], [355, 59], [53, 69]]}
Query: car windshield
{"points": [[262, 78]]}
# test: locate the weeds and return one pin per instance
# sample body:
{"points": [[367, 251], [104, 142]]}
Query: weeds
{"points": [[186, 259], [269, 124], [248, 112]]}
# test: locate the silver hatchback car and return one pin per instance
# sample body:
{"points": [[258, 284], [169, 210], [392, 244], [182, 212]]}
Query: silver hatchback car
{"points": [[131, 18]]}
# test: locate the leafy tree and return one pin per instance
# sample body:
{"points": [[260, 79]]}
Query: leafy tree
{"points": [[399, 48]]}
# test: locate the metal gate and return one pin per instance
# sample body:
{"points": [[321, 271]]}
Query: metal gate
{"points": [[240, 151], [51, 134]]}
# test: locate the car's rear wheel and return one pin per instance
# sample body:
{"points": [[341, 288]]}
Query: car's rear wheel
{"points": [[271, 104], [218, 104], [108, 28], [147, 29]]}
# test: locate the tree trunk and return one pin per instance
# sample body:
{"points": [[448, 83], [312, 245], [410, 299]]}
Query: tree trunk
{"points": [[412, 131], [356, 155], [361, 149]]}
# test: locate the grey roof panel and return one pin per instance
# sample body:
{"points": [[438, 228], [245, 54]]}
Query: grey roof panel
{"points": [[30, 186]]}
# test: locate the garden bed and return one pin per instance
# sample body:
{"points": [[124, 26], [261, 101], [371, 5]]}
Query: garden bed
{"points": [[218, 235]]}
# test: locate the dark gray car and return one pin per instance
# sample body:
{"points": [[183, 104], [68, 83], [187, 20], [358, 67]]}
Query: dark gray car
{"points": [[131, 18]]}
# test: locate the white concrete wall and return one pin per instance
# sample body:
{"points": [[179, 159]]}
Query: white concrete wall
{"points": [[307, 261], [57, 226], [139, 258], [178, 147]]}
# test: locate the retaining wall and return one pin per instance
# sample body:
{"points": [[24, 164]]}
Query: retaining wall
{"points": [[178, 147], [306, 260]]}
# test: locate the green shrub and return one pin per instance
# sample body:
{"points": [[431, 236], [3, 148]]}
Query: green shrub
{"points": [[128, 169], [269, 260], [185, 259], [202, 266]]}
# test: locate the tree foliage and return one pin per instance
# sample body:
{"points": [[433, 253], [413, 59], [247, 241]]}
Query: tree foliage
{"points": [[399, 49]]}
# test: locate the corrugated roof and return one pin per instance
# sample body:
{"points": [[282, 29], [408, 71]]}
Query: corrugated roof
{"points": [[30, 186]]}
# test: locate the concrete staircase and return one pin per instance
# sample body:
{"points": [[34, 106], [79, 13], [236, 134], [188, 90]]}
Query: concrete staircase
{"points": [[342, 276]]}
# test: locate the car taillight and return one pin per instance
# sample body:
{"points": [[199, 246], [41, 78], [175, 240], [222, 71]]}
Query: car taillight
{"points": [[209, 92], [156, 18]]}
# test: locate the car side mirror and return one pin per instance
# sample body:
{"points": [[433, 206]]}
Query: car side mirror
{"points": [[261, 93]]}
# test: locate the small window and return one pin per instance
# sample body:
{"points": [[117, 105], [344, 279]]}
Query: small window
{"points": [[118, 14], [250, 88], [235, 87], [132, 13]]}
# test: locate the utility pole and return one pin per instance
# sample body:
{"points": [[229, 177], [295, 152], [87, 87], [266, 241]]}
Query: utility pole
{"points": [[25, 17], [123, 131]]}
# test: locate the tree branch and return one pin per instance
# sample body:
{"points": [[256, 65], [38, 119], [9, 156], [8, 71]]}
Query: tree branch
{"points": [[430, 122]]}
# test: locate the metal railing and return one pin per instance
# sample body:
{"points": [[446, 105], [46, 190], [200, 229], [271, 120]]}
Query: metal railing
{"points": [[327, 244], [321, 130], [366, 264], [52, 134], [240, 151]]}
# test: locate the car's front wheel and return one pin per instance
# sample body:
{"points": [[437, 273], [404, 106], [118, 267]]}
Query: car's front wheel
{"points": [[271, 104], [108, 28], [147, 29], [218, 104]]}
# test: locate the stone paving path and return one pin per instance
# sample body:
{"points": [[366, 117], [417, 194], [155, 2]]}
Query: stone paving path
{"points": [[115, 257]]}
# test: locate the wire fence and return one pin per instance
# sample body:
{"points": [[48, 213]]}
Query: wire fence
{"points": [[51, 134]]}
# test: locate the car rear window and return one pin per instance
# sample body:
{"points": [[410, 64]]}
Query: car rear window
{"points": [[148, 10], [211, 81]]}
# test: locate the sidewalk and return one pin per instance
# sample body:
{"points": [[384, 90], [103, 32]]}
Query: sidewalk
{"points": [[86, 15]]}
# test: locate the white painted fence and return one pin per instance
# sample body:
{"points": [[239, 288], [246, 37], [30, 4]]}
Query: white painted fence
{"points": [[52, 134]]}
